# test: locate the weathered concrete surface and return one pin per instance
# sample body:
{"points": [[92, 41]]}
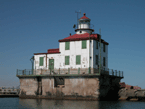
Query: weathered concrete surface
{"points": [[48, 87], [81, 87], [109, 88], [28, 86], [85, 88]]}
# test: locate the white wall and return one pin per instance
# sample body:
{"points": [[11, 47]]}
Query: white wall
{"points": [[75, 49], [56, 58], [83, 31], [103, 54], [36, 61]]}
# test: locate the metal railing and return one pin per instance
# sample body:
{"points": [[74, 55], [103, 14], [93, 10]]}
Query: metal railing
{"points": [[115, 72], [69, 71], [24, 72], [52, 72]]}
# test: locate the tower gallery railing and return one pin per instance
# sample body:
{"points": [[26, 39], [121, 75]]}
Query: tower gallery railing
{"points": [[79, 71]]}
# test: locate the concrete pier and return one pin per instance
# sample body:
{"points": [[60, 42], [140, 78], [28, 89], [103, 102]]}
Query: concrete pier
{"points": [[73, 87]]}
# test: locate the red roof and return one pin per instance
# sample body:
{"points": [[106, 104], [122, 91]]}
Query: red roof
{"points": [[85, 36], [40, 53], [51, 51], [84, 17]]}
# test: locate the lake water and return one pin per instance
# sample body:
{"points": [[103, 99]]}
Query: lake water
{"points": [[16, 103]]}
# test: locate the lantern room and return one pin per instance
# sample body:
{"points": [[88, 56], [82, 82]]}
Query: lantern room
{"points": [[84, 25]]}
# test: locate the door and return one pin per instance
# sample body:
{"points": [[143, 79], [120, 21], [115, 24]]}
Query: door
{"points": [[51, 64], [59, 84]]}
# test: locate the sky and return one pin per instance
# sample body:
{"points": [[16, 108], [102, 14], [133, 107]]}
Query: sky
{"points": [[34, 26]]}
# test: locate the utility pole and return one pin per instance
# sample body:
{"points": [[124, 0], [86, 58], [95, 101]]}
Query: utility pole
{"points": [[32, 60], [100, 52]]}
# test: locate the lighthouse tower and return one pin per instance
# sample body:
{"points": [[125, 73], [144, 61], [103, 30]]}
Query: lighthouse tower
{"points": [[84, 25]]}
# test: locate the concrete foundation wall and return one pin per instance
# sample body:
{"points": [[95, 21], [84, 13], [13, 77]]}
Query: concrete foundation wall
{"points": [[92, 87], [109, 88], [48, 86], [28, 86], [81, 87], [72, 87]]}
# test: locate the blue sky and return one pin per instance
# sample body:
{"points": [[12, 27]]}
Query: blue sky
{"points": [[33, 26]]}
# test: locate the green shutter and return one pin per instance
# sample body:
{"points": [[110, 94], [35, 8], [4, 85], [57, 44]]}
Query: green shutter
{"points": [[67, 45], [96, 59], [84, 44], [78, 59], [41, 61], [66, 60]]}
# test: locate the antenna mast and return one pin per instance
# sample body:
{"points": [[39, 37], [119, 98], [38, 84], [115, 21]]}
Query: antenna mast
{"points": [[77, 16]]}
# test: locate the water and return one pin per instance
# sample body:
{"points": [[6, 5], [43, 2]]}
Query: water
{"points": [[16, 103]]}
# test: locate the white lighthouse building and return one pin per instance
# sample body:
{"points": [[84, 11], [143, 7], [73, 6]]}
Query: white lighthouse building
{"points": [[71, 71], [78, 53]]}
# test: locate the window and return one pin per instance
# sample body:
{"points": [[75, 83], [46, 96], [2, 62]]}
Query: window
{"points": [[104, 47], [80, 31], [78, 59], [84, 44], [66, 60], [81, 21], [97, 44], [104, 61], [67, 45], [96, 59], [58, 81], [41, 61]]}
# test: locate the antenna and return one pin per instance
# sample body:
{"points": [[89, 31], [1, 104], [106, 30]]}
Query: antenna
{"points": [[77, 16], [80, 13], [100, 31]]}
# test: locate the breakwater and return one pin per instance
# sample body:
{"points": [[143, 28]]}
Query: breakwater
{"points": [[9, 92]]}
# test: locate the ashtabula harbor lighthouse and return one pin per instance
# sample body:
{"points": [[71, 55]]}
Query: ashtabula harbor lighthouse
{"points": [[78, 69]]}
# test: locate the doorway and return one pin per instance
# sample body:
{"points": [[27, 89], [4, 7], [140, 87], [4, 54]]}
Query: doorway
{"points": [[51, 65]]}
